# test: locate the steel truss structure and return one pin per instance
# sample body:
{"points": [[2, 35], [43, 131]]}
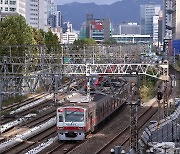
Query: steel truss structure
{"points": [[24, 69]]}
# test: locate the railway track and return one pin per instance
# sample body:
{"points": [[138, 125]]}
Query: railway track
{"points": [[22, 103], [31, 142], [108, 133], [27, 144], [65, 147], [70, 146], [123, 137]]}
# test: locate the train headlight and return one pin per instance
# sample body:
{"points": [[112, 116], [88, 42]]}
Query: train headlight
{"points": [[59, 128], [60, 110], [82, 128]]}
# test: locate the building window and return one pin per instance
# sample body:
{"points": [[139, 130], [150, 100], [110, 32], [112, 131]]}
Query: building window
{"points": [[12, 9], [6, 8], [6, 2], [1, 8], [12, 2], [1, 1]]}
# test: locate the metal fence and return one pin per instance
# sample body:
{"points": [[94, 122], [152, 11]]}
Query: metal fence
{"points": [[167, 130]]}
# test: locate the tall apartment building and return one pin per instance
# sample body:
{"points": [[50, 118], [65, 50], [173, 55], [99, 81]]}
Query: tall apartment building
{"points": [[155, 28], [160, 30], [147, 12], [167, 19], [129, 28], [176, 19], [36, 13], [89, 18], [82, 34], [10, 7]]}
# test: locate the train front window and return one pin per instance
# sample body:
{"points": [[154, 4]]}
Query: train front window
{"points": [[60, 118], [74, 115]]}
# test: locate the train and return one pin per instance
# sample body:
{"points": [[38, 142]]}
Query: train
{"points": [[79, 115]]}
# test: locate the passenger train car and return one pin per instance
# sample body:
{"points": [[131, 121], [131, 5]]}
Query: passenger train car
{"points": [[78, 117]]}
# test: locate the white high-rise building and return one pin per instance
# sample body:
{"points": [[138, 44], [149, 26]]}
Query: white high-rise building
{"points": [[155, 28], [69, 37], [13, 7], [176, 19], [147, 12], [167, 19], [36, 13]]}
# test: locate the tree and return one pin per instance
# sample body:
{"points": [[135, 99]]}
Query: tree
{"points": [[15, 31], [80, 43], [111, 41], [38, 36], [89, 41], [51, 40]]}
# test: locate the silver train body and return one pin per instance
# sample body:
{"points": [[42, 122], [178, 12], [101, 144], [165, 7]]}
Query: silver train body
{"points": [[79, 116]]}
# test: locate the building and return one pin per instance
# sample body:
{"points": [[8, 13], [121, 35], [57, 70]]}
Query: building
{"points": [[54, 16], [167, 19], [160, 30], [129, 28], [155, 28], [58, 19], [12, 7], [82, 34], [176, 20], [67, 26], [89, 18], [176, 26], [36, 14], [55, 20], [98, 29], [147, 12], [51, 7], [132, 38], [69, 37], [58, 32]]}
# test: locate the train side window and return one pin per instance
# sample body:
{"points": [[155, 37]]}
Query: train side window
{"points": [[114, 104], [97, 110], [60, 118]]}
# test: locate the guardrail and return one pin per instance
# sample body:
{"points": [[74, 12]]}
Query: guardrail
{"points": [[167, 130]]}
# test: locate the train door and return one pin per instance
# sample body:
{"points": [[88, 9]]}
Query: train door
{"points": [[91, 121]]}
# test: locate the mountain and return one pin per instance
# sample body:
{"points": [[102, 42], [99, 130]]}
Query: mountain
{"points": [[118, 12]]}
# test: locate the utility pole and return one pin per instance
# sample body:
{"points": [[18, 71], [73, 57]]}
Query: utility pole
{"points": [[165, 100], [55, 88], [134, 103], [0, 104], [159, 97]]}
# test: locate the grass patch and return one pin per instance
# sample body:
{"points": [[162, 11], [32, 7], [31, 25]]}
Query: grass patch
{"points": [[178, 85], [40, 90], [177, 65], [148, 88], [13, 99], [147, 92]]}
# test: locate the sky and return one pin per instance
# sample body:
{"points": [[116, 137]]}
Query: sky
{"points": [[61, 2]]}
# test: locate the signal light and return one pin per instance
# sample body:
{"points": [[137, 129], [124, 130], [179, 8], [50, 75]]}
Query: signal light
{"points": [[159, 95]]}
